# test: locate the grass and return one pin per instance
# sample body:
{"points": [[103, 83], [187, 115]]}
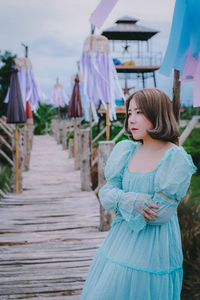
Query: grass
{"points": [[6, 178]]}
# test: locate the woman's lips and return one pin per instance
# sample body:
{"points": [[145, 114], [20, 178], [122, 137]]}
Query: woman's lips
{"points": [[134, 129]]}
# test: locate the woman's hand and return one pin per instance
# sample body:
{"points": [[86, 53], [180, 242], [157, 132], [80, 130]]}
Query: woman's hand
{"points": [[149, 213]]}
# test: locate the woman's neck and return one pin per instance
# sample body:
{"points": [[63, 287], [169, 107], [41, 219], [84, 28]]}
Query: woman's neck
{"points": [[152, 144]]}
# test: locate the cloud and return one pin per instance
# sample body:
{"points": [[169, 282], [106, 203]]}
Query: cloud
{"points": [[55, 32], [52, 46]]}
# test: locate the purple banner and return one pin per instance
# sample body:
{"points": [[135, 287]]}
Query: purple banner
{"points": [[101, 12]]}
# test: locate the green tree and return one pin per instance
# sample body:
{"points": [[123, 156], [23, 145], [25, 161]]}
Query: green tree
{"points": [[42, 118], [6, 62]]}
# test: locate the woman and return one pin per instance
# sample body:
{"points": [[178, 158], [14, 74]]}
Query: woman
{"points": [[141, 257]]}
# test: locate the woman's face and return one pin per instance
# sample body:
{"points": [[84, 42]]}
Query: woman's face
{"points": [[137, 122]]}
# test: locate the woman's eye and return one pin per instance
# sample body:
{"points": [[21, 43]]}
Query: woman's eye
{"points": [[139, 112]]}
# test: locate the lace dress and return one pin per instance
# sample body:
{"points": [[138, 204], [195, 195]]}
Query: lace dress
{"points": [[140, 260]]}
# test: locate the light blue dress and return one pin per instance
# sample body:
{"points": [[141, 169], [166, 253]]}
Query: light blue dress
{"points": [[140, 260]]}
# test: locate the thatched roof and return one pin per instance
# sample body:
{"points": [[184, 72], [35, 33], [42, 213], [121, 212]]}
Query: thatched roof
{"points": [[127, 29]]}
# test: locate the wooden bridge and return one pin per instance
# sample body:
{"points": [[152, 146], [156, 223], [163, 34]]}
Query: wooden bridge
{"points": [[49, 233]]}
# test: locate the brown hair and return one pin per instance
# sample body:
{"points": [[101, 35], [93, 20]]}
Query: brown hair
{"points": [[157, 108]]}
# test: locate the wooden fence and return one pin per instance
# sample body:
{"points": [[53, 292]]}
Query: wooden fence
{"points": [[84, 160], [8, 149]]}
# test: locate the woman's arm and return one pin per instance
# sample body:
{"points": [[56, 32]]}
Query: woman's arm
{"points": [[129, 204]]}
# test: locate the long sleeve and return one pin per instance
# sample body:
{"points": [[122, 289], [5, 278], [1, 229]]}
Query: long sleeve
{"points": [[131, 205], [171, 183]]}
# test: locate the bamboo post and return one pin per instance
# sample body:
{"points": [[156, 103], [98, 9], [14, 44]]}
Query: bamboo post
{"points": [[64, 133], [71, 148], [28, 140], [74, 144], [85, 160], [17, 159], [107, 123], [26, 147], [53, 129], [105, 149], [90, 140], [78, 150], [57, 131], [90, 113]]}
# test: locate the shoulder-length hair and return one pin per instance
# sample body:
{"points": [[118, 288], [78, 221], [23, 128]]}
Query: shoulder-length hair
{"points": [[157, 108]]}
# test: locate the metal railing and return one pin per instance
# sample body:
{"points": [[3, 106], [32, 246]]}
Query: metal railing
{"points": [[141, 59]]}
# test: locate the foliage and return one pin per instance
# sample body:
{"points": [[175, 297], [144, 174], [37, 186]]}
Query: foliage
{"points": [[6, 178], [42, 118], [195, 189], [192, 146], [189, 112], [114, 130], [70, 135], [62, 111], [6, 62], [85, 125], [189, 220]]}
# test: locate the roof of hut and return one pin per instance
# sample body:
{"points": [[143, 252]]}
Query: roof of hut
{"points": [[127, 29]]}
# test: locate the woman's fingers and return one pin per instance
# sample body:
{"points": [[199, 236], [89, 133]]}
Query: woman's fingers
{"points": [[151, 212], [148, 217], [154, 206]]}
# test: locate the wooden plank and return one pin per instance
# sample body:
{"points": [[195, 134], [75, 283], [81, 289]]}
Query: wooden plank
{"points": [[49, 233], [118, 135], [99, 135], [191, 125]]}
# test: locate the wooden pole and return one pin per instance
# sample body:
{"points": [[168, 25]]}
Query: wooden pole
{"points": [[90, 139], [74, 146], [17, 158], [176, 98], [78, 150], [106, 216], [176, 95], [85, 160], [107, 123]]}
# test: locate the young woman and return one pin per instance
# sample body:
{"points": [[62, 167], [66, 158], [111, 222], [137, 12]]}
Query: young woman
{"points": [[141, 257]]}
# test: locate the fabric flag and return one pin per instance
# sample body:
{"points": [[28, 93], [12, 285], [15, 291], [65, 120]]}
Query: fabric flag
{"points": [[58, 97], [75, 105], [101, 12], [15, 112], [191, 72], [183, 51]]}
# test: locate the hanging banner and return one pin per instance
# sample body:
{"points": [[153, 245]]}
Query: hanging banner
{"points": [[102, 11]]}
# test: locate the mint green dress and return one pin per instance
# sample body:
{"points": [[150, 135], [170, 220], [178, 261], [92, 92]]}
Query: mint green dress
{"points": [[140, 260]]}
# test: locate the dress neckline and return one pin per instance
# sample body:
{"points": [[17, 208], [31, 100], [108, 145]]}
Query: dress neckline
{"points": [[135, 149]]}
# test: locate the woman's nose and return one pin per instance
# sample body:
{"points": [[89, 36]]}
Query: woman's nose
{"points": [[132, 119]]}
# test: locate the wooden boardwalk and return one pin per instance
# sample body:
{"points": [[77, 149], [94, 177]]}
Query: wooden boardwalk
{"points": [[49, 233]]}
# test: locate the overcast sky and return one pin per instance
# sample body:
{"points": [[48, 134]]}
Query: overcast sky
{"points": [[55, 31]]}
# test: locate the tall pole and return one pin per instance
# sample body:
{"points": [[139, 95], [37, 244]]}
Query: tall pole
{"points": [[176, 96], [74, 148], [107, 123], [26, 49], [17, 159], [90, 113]]}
